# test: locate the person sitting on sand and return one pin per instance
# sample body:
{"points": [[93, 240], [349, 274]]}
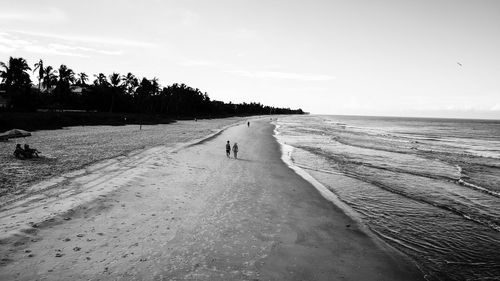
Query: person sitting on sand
{"points": [[19, 152], [235, 150], [228, 149], [30, 152]]}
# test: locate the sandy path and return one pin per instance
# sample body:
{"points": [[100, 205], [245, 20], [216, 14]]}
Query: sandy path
{"points": [[194, 215]]}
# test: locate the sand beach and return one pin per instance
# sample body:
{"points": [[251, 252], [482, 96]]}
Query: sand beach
{"points": [[185, 211]]}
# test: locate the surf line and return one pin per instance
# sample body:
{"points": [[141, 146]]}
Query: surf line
{"points": [[286, 157]]}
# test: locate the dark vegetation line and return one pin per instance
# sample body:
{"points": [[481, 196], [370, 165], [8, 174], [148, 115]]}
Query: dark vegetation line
{"points": [[65, 98]]}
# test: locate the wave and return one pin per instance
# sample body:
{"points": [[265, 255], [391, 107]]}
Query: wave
{"points": [[351, 173], [346, 161], [479, 188]]}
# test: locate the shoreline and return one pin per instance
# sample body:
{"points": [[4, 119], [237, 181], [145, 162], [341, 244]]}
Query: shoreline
{"points": [[194, 214], [287, 151]]}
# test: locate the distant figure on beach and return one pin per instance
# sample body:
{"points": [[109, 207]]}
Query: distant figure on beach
{"points": [[235, 150], [248, 124], [19, 152], [30, 152], [25, 153], [228, 149]]}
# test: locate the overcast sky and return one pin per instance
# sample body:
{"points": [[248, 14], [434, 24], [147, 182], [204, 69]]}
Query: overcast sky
{"points": [[404, 58]]}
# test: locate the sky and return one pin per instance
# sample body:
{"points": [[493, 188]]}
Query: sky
{"points": [[425, 58]]}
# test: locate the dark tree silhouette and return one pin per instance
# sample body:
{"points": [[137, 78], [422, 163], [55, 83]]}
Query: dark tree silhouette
{"points": [[82, 79], [49, 79], [16, 82], [116, 93], [115, 81], [41, 72], [63, 94]]}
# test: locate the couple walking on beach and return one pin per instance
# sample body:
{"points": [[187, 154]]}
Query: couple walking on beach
{"points": [[235, 150]]}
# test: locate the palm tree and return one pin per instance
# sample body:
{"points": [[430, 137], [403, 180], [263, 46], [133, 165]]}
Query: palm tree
{"points": [[66, 78], [39, 66], [16, 81], [15, 73], [115, 80], [130, 82], [82, 78], [101, 80], [49, 79], [155, 86], [66, 75]]}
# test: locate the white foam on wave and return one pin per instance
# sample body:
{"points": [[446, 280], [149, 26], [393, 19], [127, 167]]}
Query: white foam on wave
{"points": [[286, 156]]}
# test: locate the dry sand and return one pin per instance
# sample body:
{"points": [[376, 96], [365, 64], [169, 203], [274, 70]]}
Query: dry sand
{"points": [[190, 213]]}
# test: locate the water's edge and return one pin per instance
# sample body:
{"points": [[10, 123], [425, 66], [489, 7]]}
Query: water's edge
{"points": [[286, 157]]}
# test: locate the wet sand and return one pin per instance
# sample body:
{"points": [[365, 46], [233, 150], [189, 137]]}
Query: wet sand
{"points": [[190, 213]]}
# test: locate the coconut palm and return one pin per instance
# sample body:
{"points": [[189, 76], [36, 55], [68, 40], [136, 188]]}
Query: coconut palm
{"points": [[82, 78], [49, 78], [115, 80], [101, 80], [62, 91], [39, 67], [66, 75], [130, 82], [15, 73], [155, 86]]}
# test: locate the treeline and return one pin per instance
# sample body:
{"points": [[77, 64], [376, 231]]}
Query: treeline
{"points": [[63, 89]]}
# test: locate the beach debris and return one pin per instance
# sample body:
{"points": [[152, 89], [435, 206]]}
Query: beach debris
{"points": [[76, 249], [67, 219]]}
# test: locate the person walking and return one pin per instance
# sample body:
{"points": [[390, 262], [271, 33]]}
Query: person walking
{"points": [[248, 124], [228, 149], [235, 150]]}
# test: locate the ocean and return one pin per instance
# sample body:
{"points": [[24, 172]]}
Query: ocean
{"points": [[428, 187]]}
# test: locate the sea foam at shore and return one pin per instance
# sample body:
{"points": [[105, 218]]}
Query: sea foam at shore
{"points": [[428, 187]]}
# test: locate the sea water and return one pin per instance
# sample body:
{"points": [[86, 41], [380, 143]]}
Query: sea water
{"points": [[428, 187]]}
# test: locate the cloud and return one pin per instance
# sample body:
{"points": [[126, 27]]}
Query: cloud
{"points": [[90, 39], [196, 63], [50, 50], [85, 49], [10, 43], [282, 75], [49, 15]]}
